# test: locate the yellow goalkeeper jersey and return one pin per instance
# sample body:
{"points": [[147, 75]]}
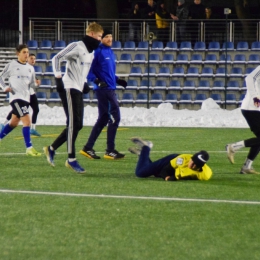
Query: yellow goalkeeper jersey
{"points": [[180, 164]]}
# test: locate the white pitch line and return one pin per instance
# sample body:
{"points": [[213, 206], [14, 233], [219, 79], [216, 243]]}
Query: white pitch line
{"points": [[104, 196]]}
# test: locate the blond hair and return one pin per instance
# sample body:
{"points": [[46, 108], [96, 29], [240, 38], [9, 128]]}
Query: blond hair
{"points": [[94, 27]]}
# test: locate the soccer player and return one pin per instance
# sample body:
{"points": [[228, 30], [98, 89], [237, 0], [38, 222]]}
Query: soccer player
{"points": [[250, 109], [102, 73], [33, 102], [173, 167], [21, 78], [79, 56]]}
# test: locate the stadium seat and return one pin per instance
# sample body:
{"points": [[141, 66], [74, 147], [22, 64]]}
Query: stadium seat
{"points": [[49, 71], [217, 98], [129, 46], [45, 45], [116, 45], [199, 46], [156, 99], [248, 70], [185, 46], [229, 46], [152, 71], [63, 69], [125, 58], [255, 46], [239, 59], [86, 98], [45, 83], [174, 85], [59, 45], [160, 85], [171, 98], [242, 96], [142, 46], [218, 85], [199, 98], [230, 101], [164, 72], [32, 45], [52, 55], [242, 46], [214, 46], [182, 59], [185, 101], [196, 59], [225, 59], [125, 63], [254, 59], [41, 57], [38, 70], [144, 84], [207, 72], [189, 85], [221, 72], [171, 46], [139, 59], [135, 72], [127, 100], [210, 59], [192, 72], [203, 86], [236, 72], [178, 72], [167, 59], [54, 99], [141, 99], [157, 46], [154, 58], [233, 86], [132, 84], [41, 96]]}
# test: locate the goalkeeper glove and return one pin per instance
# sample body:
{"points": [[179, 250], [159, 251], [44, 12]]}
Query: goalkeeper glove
{"points": [[86, 88], [121, 82], [256, 102], [100, 84]]}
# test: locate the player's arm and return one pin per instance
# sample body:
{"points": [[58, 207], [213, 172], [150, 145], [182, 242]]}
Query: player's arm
{"points": [[168, 173]]}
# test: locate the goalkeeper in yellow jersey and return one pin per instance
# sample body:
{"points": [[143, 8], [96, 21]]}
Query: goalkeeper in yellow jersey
{"points": [[173, 167]]}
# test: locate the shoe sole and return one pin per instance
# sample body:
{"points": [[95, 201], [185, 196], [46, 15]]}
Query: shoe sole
{"points": [[46, 152], [112, 158], [140, 142], [33, 154], [134, 150], [230, 155], [87, 155], [68, 166], [244, 172]]}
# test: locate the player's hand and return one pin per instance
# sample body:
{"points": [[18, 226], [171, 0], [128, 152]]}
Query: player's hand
{"points": [[38, 82], [170, 178], [256, 102], [100, 83], [9, 89], [121, 82]]}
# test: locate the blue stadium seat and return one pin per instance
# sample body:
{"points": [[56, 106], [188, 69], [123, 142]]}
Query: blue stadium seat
{"points": [[154, 58], [59, 45], [255, 46], [49, 71], [156, 98], [199, 98], [171, 98], [214, 46], [160, 84], [207, 72], [125, 58], [178, 72], [157, 46], [129, 46], [164, 72], [139, 58], [86, 98], [203, 86], [233, 85], [41, 57], [217, 98], [41, 96], [242, 46], [196, 59], [52, 55], [144, 84], [242, 96], [135, 72], [192, 72], [54, 98], [116, 45], [174, 85], [45, 45], [38, 70], [167, 59], [171, 46], [142, 46], [231, 100], [189, 85], [210, 59], [225, 59], [63, 69], [199, 46], [32, 45], [185, 46], [254, 59], [221, 72], [236, 72], [248, 70], [239, 59], [152, 71], [218, 85], [182, 59], [132, 84], [228, 46], [141, 99], [185, 101], [45, 83], [127, 99]]}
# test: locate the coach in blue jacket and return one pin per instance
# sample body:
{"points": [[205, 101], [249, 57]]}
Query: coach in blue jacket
{"points": [[102, 73]]}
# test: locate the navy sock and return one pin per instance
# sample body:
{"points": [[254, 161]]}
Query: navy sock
{"points": [[6, 130], [26, 136]]}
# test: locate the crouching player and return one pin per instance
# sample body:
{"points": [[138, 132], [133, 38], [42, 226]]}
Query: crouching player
{"points": [[173, 167]]}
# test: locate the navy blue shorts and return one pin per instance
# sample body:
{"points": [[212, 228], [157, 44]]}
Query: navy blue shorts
{"points": [[20, 107]]}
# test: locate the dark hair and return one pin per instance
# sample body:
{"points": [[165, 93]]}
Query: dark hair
{"points": [[32, 54], [20, 47]]}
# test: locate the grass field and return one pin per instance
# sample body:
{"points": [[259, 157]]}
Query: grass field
{"points": [[53, 213]]}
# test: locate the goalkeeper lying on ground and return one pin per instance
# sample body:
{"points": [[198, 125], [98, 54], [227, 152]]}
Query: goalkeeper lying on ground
{"points": [[173, 167]]}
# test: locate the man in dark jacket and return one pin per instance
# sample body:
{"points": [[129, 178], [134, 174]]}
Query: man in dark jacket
{"points": [[102, 73], [181, 16]]}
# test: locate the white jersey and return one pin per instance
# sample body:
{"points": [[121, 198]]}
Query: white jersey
{"points": [[253, 90], [21, 79], [77, 67]]}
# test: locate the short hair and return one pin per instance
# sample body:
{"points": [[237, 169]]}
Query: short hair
{"points": [[20, 47], [94, 27], [32, 54]]}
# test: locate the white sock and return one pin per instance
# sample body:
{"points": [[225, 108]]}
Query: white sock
{"points": [[51, 148], [248, 164], [72, 159], [6, 122], [238, 145], [33, 126]]}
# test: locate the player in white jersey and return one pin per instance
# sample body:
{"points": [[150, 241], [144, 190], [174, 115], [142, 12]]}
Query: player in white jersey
{"points": [[21, 78], [33, 102], [79, 56], [250, 109]]}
